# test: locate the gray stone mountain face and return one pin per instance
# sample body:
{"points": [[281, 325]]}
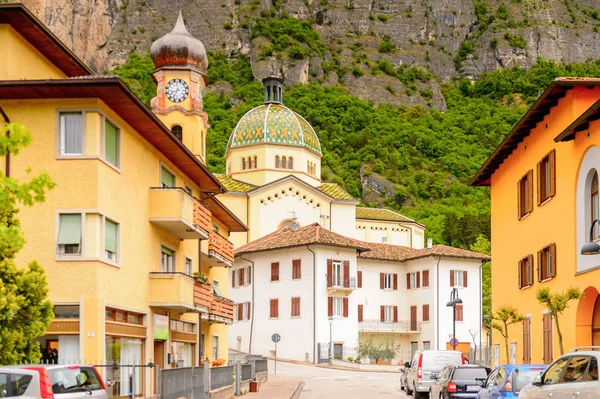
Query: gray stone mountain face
{"points": [[448, 38]]}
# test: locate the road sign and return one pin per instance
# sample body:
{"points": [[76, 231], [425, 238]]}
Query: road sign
{"points": [[276, 337], [453, 342]]}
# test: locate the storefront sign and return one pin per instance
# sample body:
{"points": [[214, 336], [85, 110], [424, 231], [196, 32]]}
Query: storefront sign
{"points": [[161, 327]]}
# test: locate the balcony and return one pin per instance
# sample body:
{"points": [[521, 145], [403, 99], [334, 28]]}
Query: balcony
{"points": [[340, 284], [221, 310], [220, 249], [399, 327], [176, 211], [179, 292]]}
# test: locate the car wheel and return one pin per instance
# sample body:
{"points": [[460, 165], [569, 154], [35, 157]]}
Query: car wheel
{"points": [[417, 394], [407, 389]]}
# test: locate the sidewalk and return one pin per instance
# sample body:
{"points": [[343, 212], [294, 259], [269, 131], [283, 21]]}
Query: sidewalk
{"points": [[395, 369], [278, 387]]}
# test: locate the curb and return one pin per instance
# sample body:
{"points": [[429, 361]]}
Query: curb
{"points": [[298, 390], [326, 366]]}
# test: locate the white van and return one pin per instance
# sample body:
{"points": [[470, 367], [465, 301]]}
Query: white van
{"points": [[425, 365]]}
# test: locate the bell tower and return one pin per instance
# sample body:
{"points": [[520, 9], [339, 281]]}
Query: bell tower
{"points": [[181, 62]]}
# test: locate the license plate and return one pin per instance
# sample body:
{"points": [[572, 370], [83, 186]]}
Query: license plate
{"points": [[473, 388]]}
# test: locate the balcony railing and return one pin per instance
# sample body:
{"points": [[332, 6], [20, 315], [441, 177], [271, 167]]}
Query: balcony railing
{"points": [[378, 326], [221, 310], [202, 294], [341, 282], [180, 292], [220, 248], [176, 211]]}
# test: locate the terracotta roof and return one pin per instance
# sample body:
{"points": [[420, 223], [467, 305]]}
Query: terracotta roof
{"points": [[335, 191], [313, 234], [116, 95], [447, 252], [40, 37], [381, 214], [233, 185], [547, 100], [387, 252]]}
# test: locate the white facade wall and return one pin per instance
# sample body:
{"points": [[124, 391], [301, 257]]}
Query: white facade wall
{"points": [[343, 218], [389, 232]]}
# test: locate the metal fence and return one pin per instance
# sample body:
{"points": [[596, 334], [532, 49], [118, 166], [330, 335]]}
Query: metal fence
{"points": [[246, 372], [185, 382], [221, 377], [481, 355], [261, 366]]}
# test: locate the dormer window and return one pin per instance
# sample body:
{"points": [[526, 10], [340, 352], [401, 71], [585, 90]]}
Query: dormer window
{"points": [[177, 131]]}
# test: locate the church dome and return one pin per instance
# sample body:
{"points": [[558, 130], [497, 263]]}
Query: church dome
{"points": [[274, 123], [179, 48]]}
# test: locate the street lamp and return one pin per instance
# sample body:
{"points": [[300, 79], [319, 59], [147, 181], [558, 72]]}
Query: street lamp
{"points": [[330, 341], [454, 300], [591, 248]]}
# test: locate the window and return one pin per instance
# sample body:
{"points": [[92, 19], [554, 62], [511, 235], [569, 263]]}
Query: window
{"points": [[216, 289], [241, 276], [458, 278], [334, 275], [387, 281], [337, 306], [111, 144], [388, 314], [250, 166], [215, 351], [594, 206], [71, 133], [246, 274], [552, 375], [526, 272], [243, 163], [111, 239], [255, 163], [167, 179], [167, 265], [188, 266], [426, 345], [593, 370], [296, 307], [177, 132], [547, 338], [458, 312], [413, 280], [275, 271], [296, 269], [576, 369], [69, 234], [525, 194], [425, 278], [66, 311], [547, 263], [277, 161], [274, 308], [290, 163], [425, 312], [546, 177], [283, 163], [17, 386]]}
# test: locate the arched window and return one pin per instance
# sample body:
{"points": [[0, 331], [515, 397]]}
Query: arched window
{"points": [[177, 131], [243, 163], [277, 161], [249, 163], [255, 162], [290, 163], [283, 163], [594, 204]]}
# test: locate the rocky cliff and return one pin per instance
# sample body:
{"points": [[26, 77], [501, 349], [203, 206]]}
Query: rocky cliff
{"points": [[425, 42]]}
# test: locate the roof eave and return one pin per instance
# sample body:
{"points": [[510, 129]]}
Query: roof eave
{"points": [[581, 123]]}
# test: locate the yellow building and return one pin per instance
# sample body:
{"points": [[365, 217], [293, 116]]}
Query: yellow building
{"points": [[544, 192], [133, 215]]}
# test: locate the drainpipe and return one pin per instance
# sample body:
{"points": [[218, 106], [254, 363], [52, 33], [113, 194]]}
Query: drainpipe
{"points": [[7, 120], [437, 314], [252, 318], [203, 346], [314, 303], [480, 312]]}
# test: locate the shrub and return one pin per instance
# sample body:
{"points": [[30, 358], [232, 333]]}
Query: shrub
{"points": [[228, 26], [297, 52], [383, 18], [357, 71], [386, 45]]}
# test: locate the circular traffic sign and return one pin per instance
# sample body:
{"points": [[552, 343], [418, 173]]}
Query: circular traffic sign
{"points": [[453, 342], [276, 337]]}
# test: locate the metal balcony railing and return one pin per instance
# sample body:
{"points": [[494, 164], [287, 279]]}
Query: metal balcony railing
{"points": [[341, 282], [402, 326]]}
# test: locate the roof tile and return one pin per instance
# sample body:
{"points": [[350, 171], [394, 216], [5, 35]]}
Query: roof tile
{"points": [[335, 191], [233, 185], [380, 214]]}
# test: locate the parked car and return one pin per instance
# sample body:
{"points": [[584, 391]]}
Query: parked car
{"points": [[573, 375], [424, 365], [506, 381], [403, 372], [51, 381], [458, 381]]}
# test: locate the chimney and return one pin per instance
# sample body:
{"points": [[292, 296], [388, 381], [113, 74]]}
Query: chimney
{"points": [[273, 90], [429, 242]]}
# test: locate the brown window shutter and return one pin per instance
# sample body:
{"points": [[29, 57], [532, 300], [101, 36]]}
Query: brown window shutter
{"points": [[418, 279], [451, 278], [539, 266], [381, 283], [519, 272], [539, 183], [248, 310], [530, 270], [240, 311], [382, 313], [425, 312], [519, 211], [425, 278], [346, 274], [276, 307], [345, 306], [465, 281], [552, 166], [359, 278], [360, 312], [330, 272], [233, 279], [395, 281], [241, 277], [530, 190], [395, 314], [552, 260], [408, 281], [330, 306], [249, 274]]}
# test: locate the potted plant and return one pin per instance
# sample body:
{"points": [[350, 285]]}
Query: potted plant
{"points": [[201, 278], [218, 362]]}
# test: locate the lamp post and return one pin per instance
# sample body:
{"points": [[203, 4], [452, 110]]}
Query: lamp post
{"points": [[454, 300], [591, 248], [330, 341]]}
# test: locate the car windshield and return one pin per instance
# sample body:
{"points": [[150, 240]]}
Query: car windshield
{"points": [[73, 378], [469, 374], [524, 377]]}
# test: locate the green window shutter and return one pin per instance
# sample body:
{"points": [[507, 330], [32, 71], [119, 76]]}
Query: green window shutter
{"points": [[167, 179], [110, 236], [69, 229], [111, 144], [166, 251]]}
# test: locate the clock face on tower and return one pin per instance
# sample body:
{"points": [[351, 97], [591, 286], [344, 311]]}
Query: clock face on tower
{"points": [[177, 90]]}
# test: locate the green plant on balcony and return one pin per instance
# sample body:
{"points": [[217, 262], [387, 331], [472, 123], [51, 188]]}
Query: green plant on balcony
{"points": [[201, 278]]}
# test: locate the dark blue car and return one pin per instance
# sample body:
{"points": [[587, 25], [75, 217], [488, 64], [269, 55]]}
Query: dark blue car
{"points": [[507, 380]]}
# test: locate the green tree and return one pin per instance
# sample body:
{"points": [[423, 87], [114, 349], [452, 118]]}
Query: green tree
{"points": [[504, 316], [25, 310], [556, 303], [483, 246]]}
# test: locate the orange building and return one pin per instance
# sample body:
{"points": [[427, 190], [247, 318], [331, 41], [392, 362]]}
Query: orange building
{"points": [[544, 191]]}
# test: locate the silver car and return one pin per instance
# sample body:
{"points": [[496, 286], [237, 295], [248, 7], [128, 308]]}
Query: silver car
{"points": [[571, 376], [51, 381], [424, 366]]}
